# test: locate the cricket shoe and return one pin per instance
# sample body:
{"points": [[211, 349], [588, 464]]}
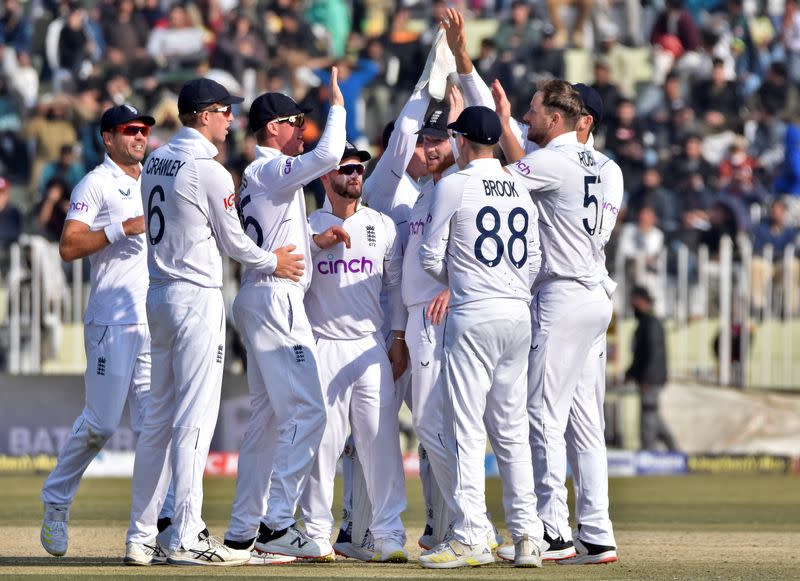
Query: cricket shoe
{"points": [[344, 543], [591, 554], [554, 550], [54, 535], [453, 553], [293, 542], [527, 553], [208, 551], [389, 549], [495, 538], [427, 541], [144, 554], [259, 558]]}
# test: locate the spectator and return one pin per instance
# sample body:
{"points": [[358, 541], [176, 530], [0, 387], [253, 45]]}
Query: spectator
{"points": [[776, 233], [518, 33], [126, 32], [726, 217], [546, 61], [178, 45], [47, 131], [492, 65], [649, 370], [642, 237], [10, 225], [240, 48], [51, 211], [352, 80], [624, 138], [717, 100], [66, 167], [77, 47], [607, 90], [584, 10], [788, 180], [334, 16], [676, 39], [688, 163], [404, 45]]}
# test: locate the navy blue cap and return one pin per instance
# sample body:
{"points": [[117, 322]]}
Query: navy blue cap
{"points": [[351, 150], [198, 94], [592, 101], [436, 124], [122, 114], [270, 106], [479, 124]]}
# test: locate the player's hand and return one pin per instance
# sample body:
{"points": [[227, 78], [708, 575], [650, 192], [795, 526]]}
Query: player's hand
{"points": [[454, 30], [332, 236], [501, 103], [398, 357], [336, 97], [456, 100], [289, 265], [133, 226], [438, 308]]}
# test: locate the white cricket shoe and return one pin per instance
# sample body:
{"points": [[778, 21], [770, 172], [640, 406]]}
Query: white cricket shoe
{"points": [[208, 551], [552, 550], [451, 554], [390, 549], [527, 553], [143, 554], [344, 545], [259, 558], [54, 534], [294, 543]]}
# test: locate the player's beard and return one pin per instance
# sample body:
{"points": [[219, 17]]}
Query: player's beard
{"points": [[347, 189], [440, 164]]}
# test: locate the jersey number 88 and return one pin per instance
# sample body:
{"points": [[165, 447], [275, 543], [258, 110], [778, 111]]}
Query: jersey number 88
{"points": [[491, 233]]}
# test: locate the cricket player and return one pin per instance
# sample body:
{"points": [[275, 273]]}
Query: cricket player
{"points": [[485, 224], [343, 304], [570, 312], [106, 223], [190, 217], [288, 410]]}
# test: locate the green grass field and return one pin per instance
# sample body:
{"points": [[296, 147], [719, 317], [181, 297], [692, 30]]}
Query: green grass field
{"points": [[668, 528]]}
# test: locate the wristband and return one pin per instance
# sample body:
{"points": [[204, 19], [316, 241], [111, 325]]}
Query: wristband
{"points": [[399, 338], [114, 232]]}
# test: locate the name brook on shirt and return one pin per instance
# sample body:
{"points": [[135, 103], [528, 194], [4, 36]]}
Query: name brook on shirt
{"points": [[500, 188], [163, 167]]}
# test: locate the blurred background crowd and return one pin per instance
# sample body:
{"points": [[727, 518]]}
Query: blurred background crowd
{"points": [[701, 96]]}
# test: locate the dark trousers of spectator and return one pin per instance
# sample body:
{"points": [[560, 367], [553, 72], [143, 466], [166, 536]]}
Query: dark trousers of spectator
{"points": [[652, 427]]}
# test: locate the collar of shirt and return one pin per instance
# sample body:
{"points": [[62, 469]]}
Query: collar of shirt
{"points": [[590, 141], [484, 163], [264, 152], [192, 139], [568, 137], [112, 166]]}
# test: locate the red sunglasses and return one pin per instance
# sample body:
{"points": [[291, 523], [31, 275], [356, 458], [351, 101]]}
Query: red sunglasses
{"points": [[132, 130]]}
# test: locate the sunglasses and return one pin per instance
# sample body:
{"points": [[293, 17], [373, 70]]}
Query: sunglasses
{"points": [[346, 170], [227, 110], [132, 130], [296, 120]]}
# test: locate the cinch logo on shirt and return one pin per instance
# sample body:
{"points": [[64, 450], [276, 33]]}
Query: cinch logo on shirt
{"points": [[288, 167], [418, 227], [523, 167], [78, 207], [611, 208], [332, 266]]}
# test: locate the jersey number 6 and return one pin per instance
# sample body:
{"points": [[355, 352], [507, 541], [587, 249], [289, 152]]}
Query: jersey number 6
{"points": [[155, 235], [491, 234]]}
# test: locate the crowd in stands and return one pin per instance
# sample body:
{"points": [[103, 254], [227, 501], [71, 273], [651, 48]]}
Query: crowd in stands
{"points": [[708, 140]]}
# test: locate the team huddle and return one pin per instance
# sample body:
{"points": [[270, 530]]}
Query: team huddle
{"points": [[474, 292]]}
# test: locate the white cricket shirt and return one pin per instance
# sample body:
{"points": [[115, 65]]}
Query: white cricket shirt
{"points": [[343, 301], [483, 241], [564, 181], [190, 213], [613, 189], [272, 201], [107, 195]]}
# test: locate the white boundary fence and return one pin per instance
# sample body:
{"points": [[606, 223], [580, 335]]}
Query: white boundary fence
{"points": [[698, 298]]}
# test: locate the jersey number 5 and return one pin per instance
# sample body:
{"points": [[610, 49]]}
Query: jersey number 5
{"points": [[154, 234], [588, 200], [250, 221], [491, 234]]}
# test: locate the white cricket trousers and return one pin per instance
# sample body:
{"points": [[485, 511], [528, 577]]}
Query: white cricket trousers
{"points": [[117, 370], [484, 376], [586, 451], [359, 390], [425, 343], [288, 412], [187, 324], [569, 326]]}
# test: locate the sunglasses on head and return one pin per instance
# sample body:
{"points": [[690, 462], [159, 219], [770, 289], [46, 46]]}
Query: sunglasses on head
{"points": [[296, 120], [346, 170], [132, 130]]}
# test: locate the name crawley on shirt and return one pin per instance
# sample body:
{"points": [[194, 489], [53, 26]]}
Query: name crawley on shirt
{"points": [[163, 166]]}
